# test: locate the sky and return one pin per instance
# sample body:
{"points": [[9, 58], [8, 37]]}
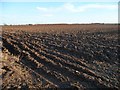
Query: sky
{"points": [[58, 12]]}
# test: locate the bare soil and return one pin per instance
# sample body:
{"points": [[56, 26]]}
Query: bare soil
{"points": [[60, 56]]}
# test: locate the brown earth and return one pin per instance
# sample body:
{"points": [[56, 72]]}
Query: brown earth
{"points": [[61, 56]]}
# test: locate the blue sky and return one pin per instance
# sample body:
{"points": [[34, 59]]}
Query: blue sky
{"points": [[58, 12]]}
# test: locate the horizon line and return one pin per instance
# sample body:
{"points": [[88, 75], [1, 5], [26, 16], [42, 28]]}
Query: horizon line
{"points": [[55, 23]]}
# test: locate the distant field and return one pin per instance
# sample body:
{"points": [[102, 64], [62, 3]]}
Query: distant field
{"points": [[61, 27], [65, 56]]}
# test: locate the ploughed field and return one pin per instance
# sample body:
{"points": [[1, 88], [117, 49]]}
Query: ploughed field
{"points": [[65, 56]]}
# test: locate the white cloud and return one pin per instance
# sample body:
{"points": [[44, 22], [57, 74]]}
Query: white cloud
{"points": [[48, 15], [96, 6], [69, 7], [59, 0], [72, 8], [42, 8]]}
